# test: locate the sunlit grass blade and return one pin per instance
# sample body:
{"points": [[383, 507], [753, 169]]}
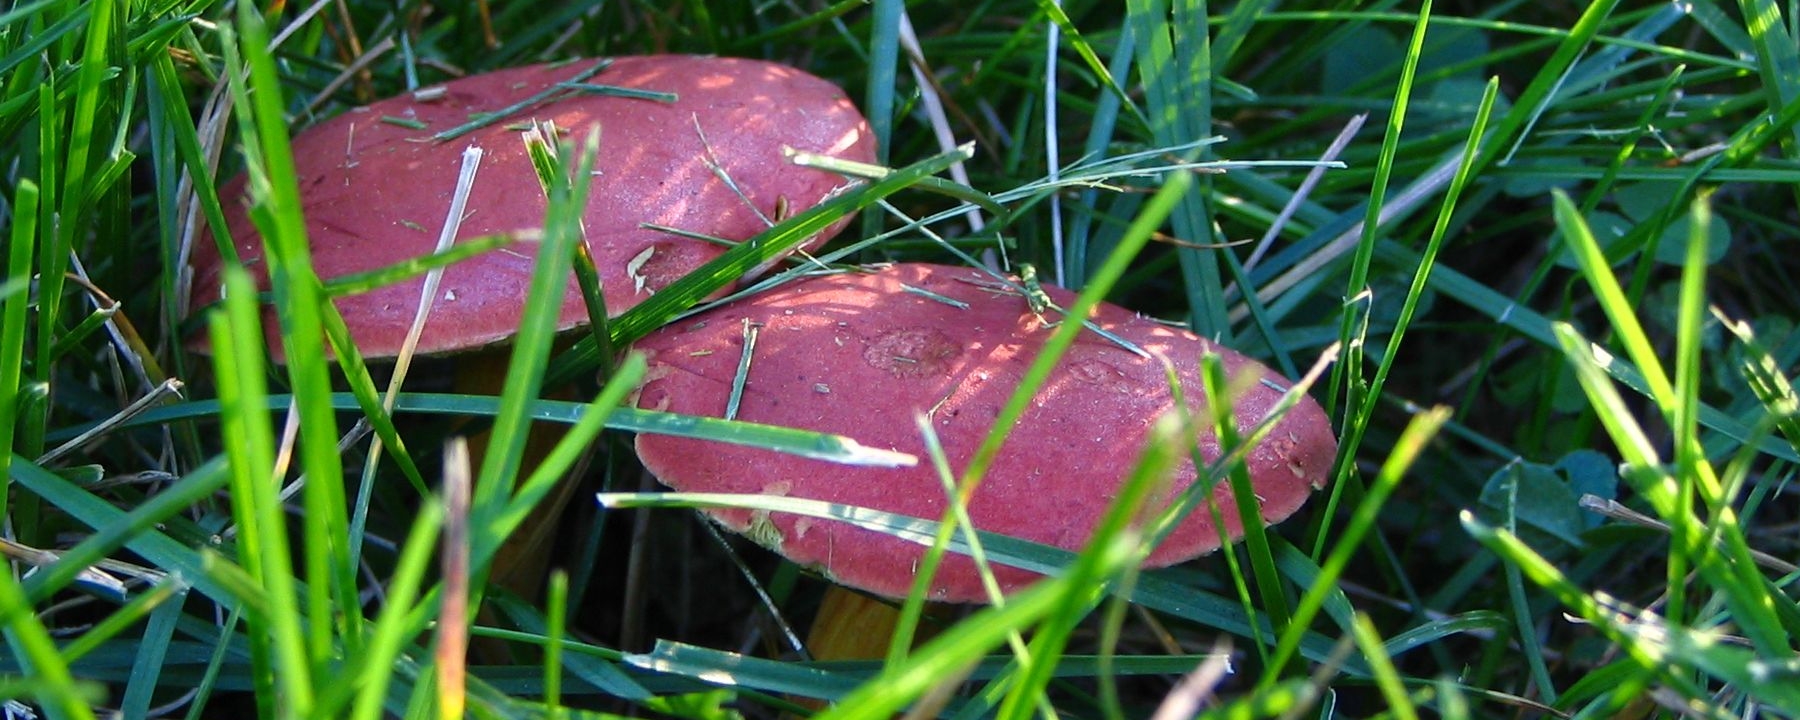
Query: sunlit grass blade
{"points": [[1057, 603], [1655, 650], [1731, 570], [821, 446], [387, 634], [464, 249], [1684, 417], [1422, 272], [1387, 677], [50, 681], [1694, 477], [278, 649], [548, 166], [1620, 311], [553, 645], [276, 208], [1347, 380], [542, 479], [1160, 207], [1221, 401], [498, 474], [772, 243], [1175, 65], [1777, 61], [956, 520], [1539, 328], [595, 665], [1534, 100], [1766, 378], [1120, 534]]}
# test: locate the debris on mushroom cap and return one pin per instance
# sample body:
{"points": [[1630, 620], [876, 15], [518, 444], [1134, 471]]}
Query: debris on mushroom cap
{"points": [[859, 354], [376, 190]]}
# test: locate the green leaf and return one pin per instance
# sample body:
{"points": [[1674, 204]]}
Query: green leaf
{"points": [[1536, 501], [1644, 202], [1590, 473], [1364, 54]]}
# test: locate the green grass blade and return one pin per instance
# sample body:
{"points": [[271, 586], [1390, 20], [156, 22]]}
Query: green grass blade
{"points": [[1535, 98], [49, 678], [278, 647], [881, 85], [1120, 535], [151, 599], [12, 320], [677, 297], [543, 479], [387, 635], [153, 646], [1160, 207], [1777, 60], [115, 528], [1221, 397], [597, 666], [1387, 677], [1175, 64], [1767, 380], [277, 212], [1599, 609], [559, 615], [1427, 261], [821, 446], [498, 474], [367, 280], [1347, 375], [1734, 573], [1684, 417]]}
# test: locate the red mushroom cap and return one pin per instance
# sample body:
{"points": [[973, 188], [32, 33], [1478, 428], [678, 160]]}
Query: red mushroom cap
{"points": [[376, 192], [860, 354]]}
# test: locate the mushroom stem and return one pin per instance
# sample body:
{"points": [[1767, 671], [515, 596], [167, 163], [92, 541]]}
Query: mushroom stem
{"points": [[522, 560], [851, 626]]}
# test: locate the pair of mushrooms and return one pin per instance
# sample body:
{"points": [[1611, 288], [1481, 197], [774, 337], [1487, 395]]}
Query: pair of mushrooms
{"points": [[700, 148]]}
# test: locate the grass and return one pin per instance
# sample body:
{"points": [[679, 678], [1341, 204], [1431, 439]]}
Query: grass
{"points": [[1557, 277]]}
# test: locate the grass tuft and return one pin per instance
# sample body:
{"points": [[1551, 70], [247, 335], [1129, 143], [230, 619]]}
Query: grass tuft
{"points": [[1553, 295]]}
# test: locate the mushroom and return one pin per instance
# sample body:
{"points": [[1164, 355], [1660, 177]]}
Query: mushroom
{"points": [[376, 182], [859, 354], [692, 144]]}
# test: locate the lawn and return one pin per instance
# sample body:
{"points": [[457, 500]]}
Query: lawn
{"points": [[1525, 257]]}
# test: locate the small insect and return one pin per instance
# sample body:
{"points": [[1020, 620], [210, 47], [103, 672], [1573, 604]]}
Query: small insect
{"points": [[1035, 297], [1038, 302]]}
